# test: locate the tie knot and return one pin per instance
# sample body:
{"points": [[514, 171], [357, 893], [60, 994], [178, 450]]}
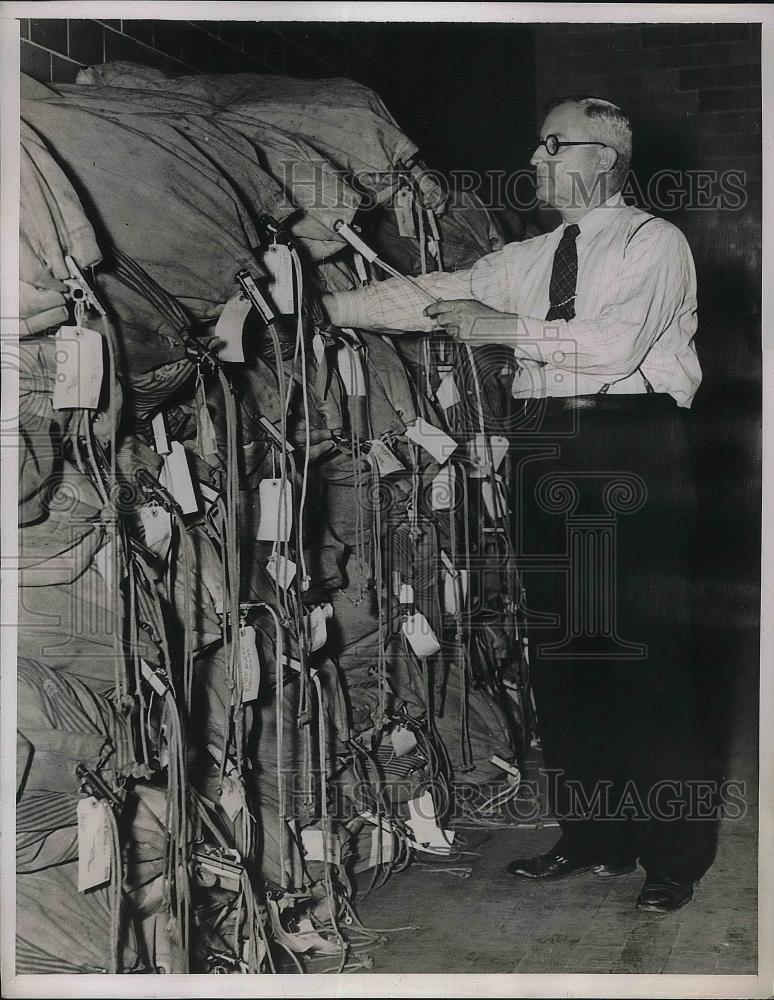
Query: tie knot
{"points": [[570, 233]]}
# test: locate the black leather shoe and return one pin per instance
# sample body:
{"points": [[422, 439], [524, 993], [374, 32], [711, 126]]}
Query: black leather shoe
{"points": [[661, 894], [551, 866]]}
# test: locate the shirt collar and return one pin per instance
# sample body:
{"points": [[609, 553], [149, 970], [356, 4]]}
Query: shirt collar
{"points": [[594, 220]]}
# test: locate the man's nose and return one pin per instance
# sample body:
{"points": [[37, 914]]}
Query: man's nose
{"points": [[538, 156]]}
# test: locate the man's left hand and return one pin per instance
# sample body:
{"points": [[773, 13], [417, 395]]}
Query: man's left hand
{"points": [[460, 316]]}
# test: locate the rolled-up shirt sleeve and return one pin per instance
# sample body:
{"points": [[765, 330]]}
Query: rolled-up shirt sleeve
{"points": [[392, 306]]}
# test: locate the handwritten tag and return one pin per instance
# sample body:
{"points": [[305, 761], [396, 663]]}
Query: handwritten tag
{"points": [[94, 840], [442, 489], [384, 459], [157, 528], [424, 825], [79, 368], [406, 594], [232, 796], [276, 506], [160, 439], [279, 263], [312, 839], [176, 479], [447, 392], [316, 628], [230, 328], [281, 569], [251, 665], [403, 206], [432, 439], [420, 636], [403, 740]]}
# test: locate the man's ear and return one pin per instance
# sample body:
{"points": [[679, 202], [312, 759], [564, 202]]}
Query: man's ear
{"points": [[608, 158]]}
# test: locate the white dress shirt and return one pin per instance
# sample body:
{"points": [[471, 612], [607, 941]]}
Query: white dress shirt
{"points": [[635, 307]]}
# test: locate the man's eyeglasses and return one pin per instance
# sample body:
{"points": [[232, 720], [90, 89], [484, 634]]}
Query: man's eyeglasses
{"points": [[553, 144]]}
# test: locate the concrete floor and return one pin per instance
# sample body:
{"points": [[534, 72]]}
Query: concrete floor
{"points": [[490, 923]]}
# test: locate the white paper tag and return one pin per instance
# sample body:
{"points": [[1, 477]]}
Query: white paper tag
{"points": [[403, 740], [160, 439], [279, 263], [479, 457], [432, 439], [450, 590], [403, 205], [488, 496], [420, 636], [442, 489], [176, 479], [276, 506], [388, 847], [316, 628], [232, 796], [157, 528], [424, 825], [350, 365], [206, 438], [361, 268], [94, 840], [499, 446], [230, 326], [384, 459], [406, 594], [318, 346], [281, 569], [79, 368], [251, 665], [312, 839], [447, 393]]}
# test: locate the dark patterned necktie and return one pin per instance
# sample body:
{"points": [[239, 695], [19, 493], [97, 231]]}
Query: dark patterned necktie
{"points": [[564, 276]]}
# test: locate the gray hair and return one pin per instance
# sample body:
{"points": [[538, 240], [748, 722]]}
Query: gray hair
{"points": [[613, 127]]}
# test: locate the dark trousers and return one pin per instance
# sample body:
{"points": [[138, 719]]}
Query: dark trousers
{"points": [[604, 523]]}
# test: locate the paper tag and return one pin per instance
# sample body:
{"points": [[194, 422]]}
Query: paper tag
{"points": [[206, 439], [94, 840], [155, 680], [79, 368], [351, 370], [232, 796], [176, 479], [388, 847], [251, 665], [442, 489], [276, 506], [230, 327], [479, 457], [403, 740], [432, 439], [450, 590], [279, 263], [499, 446], [361, 269], [424, 825], [281, 569], [160, 440], [157, 528], [403, 205], [318, 346], [406, 594], [384, 459], [420, 635], [316, 628], [104, 562], [488, 497], [312, 839], [447, 393]]}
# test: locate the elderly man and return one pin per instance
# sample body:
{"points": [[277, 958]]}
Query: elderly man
{"points": [[601, 314]]}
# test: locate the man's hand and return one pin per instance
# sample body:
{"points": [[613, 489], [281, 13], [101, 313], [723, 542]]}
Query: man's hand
{"points": [[462, 318]]}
